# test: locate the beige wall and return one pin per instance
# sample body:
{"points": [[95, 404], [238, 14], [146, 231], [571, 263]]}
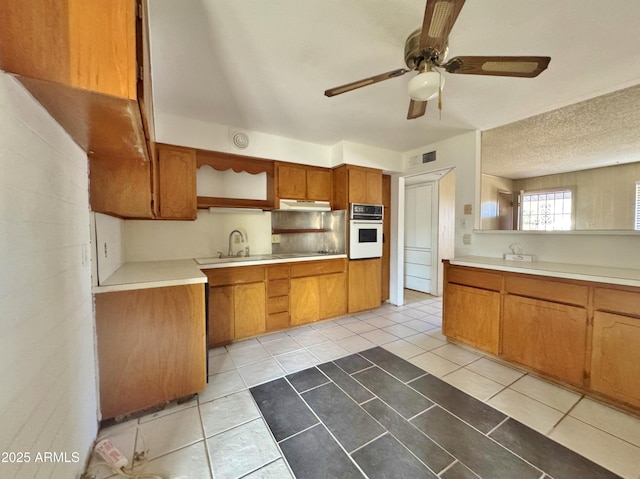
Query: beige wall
{"points": [[605, 197]]}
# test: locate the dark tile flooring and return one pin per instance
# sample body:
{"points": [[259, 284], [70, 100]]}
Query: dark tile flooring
{"points": [[375, 415]]}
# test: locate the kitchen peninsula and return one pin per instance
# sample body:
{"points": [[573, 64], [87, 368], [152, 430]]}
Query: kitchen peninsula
{"points": [[151, 326], [576, 324]]}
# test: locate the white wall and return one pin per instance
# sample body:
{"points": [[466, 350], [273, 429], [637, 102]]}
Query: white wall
{"points": [[48, 399], [365, 155], [177, 130], [598, 249], [108, 243], [461, 152], [146, 240]]}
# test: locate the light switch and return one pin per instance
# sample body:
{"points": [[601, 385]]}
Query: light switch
{"points": [[467, 209]]}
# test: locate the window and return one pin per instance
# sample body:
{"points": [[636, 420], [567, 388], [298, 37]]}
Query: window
{"points": [[636, 223], [549, 210]]}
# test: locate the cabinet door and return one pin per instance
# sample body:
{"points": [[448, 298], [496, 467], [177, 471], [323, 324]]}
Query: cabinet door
{"points": [[615, 357], [549, 337], [357, 186], [472, 315], [374, 187], [333, 295], [364, 284], [304, 297], [292, 182], [151, 347], [177, 184], [318, 184], [221, 328], [249, 305]]}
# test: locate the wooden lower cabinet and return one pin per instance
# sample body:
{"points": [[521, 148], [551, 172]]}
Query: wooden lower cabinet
{"points": [[249, 301], [236, 312], [317, 297], [364, 284], [546, 336], [472, 315], [305, 300], [237, 303], [615, 356], [151, 347], [318, 291], [582, 333], [221, 316], [332, 289]]}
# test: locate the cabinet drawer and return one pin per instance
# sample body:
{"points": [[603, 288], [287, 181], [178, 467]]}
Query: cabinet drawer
{"points": [[278, 287], [278, 305], [627, 302], [315, 268], [278, 272], [547, 288], [277, 321], [238, 275], [474, 277]]}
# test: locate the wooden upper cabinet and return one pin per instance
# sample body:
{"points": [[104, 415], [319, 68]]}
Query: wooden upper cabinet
{"points": [[386, 191], [84, 44], [79, 59], [300, 182], [176, 183], [356, 184], [292, 181], [319, 184]]}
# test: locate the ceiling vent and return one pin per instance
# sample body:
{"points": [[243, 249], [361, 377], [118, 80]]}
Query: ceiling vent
{"points": [[240, 140], [429, 157]]}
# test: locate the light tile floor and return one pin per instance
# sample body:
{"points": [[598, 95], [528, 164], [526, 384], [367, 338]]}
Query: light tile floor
{"points": [[221, 433]]}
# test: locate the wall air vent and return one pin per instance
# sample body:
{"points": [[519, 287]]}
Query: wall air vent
{"points": [[429, 157], [240, 140]]}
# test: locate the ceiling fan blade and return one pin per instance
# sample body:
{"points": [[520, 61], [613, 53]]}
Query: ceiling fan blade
{"points": [[439, 17], [365, 82], [416, 109], [527, 67]]}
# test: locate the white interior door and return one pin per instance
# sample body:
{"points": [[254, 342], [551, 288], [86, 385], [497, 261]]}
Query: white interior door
{"points": [[420, 237]]}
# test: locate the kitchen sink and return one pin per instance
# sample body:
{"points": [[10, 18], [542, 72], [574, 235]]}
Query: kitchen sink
{"points": [[234, 259]]}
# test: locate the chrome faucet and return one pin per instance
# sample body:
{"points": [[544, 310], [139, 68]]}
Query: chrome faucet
{"points": [[242, 238]]}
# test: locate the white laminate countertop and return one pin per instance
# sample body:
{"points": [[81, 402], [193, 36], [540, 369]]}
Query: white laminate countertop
{"points": [[158, 274], [209, 263], [152, 274], [583, 272]]}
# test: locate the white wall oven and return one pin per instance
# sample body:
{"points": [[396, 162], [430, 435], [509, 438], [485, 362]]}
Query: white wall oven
{"points": [[365, 231]]}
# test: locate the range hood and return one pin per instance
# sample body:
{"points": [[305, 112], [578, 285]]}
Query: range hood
{"points": [[304, 205]]}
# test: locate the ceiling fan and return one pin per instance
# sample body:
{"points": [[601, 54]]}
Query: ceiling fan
{"points": [[425, 51]]}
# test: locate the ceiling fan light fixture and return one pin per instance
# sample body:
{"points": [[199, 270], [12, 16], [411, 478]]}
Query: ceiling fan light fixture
{"points": [[425, 85]]}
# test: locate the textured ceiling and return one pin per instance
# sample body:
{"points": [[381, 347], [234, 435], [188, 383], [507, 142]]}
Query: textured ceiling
{"points": [[264, 65], [602, 131]]}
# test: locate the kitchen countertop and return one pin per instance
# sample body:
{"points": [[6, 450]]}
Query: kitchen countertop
{"points": [[209, 263], [601, 274], [158, 274], [152, 274]]}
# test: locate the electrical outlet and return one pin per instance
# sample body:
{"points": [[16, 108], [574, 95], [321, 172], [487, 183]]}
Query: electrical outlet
{"points": [[466, 239], [106, 254], [467, 209], [275, 239]]}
